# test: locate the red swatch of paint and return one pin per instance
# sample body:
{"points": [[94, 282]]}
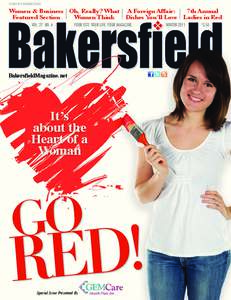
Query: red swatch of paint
{"points": [[92, 105]]}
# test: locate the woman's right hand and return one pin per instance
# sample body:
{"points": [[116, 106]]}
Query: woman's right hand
{"points": [[152, 170], [155, 158]]}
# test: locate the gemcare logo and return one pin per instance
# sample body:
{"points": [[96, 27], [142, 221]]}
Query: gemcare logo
{"points": [[100, 288]]}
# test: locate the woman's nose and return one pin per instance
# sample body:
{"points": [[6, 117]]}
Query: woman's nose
{"points": [[197, 87]]}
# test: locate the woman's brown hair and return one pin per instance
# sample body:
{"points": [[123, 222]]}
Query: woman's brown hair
{"points": [[216, 71]]}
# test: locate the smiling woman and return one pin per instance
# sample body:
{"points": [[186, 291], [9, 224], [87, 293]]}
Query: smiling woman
{"points": [[187, 154], [197, 91], [211, 70]]}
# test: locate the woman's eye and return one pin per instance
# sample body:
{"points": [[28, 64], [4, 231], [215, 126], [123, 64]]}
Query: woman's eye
{"points": [[209, 84], [191, 79]]}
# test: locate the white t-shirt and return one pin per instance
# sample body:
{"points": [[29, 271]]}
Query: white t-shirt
{"points": [[181, 224]]}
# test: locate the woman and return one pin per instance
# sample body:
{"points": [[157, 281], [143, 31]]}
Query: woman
{"points": [[180, 171]]}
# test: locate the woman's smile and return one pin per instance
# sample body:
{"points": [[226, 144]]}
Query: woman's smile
{"points": [[195, 99]]}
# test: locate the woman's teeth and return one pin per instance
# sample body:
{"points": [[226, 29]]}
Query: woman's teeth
{"points": [[195, 99]]}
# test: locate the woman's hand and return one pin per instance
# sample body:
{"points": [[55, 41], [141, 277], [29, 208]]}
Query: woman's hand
{"points": [[154, 157], [214, 200], [152, 170]]}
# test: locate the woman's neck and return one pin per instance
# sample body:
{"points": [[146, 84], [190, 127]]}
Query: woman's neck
{"points": [[193, 120]]}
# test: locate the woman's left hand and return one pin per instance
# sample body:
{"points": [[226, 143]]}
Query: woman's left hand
{"points": [[214, 200]]}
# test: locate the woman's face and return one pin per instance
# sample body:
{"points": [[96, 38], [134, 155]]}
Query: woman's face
{"points": [[197, 92]]}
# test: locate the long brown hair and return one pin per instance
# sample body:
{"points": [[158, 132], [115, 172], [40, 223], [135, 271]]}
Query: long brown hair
{"points": [[216, 71]]}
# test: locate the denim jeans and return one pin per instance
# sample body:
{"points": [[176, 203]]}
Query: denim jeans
{"points": [[168, 276]]}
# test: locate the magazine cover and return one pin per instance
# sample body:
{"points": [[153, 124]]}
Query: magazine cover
{"points": [[78, 80]]}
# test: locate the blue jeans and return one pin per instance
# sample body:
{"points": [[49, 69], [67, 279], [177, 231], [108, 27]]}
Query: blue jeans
{"points": [[168, 276]]}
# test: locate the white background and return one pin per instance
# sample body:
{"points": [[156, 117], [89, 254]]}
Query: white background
{"points": [[147, 98]]}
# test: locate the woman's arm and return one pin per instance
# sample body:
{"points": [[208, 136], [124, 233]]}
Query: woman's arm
{"points": [[152, 170], [228, 210]]}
